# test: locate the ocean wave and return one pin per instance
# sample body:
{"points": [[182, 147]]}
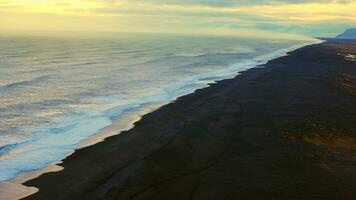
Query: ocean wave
{"points": [[203, 58], [4, 150], [7, 148], [20, 84]]}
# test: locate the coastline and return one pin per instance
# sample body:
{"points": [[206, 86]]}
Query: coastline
{"points": [[284, 131], [125, 123], [112, 144]]}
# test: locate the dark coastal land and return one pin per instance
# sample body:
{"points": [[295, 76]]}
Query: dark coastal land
{"points": [[286, 130]]}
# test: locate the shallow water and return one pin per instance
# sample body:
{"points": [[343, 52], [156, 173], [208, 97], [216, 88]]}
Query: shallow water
{"points": [[57, 91]]}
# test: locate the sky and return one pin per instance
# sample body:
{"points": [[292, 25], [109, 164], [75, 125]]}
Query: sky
{"points": [[223, 17]]}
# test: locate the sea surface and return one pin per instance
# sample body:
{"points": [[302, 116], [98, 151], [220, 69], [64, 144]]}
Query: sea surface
{"points": [[57, 91]]}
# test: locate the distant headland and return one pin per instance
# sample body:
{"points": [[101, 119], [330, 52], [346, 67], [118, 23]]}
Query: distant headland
{"points": [[348, 34]]}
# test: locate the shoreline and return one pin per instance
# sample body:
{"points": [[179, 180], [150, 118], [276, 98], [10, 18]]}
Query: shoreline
{"points": [[282, 131], [125, 123]]}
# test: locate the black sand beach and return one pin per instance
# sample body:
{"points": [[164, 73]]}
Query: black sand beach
{"points": [[284, 131]]}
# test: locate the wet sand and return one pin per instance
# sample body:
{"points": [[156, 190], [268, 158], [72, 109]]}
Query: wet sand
{"points": [[286, 130]]}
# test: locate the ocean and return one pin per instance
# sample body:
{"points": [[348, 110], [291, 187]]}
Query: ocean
{"points": [[56, 92]]}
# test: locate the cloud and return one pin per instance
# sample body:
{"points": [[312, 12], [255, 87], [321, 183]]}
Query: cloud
{"points": [[288, 16], [222, 3]]}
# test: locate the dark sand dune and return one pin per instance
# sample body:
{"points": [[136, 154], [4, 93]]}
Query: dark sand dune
{"points": [[286, 131]]}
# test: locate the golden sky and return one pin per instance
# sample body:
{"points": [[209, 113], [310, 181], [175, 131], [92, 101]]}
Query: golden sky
{"points": [[307, 17]]}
